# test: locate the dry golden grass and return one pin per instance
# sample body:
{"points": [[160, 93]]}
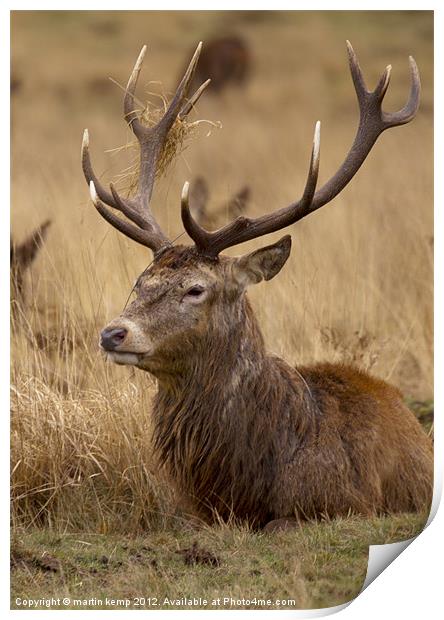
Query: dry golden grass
{"points": [[358, 285]]}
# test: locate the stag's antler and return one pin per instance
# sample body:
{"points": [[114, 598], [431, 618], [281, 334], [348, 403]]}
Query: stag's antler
{"points": [[146, 230], [373, 121]]}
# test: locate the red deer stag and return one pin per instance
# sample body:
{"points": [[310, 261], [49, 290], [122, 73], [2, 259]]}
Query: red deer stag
{"points": [[199, 195], [241, 432], [225, 61]]}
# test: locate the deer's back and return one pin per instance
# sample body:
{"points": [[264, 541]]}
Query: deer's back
{"points": [[365, 451]]}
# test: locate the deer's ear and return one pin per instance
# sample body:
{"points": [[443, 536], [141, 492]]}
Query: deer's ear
{"points": [[26, 252], [262, 264]]}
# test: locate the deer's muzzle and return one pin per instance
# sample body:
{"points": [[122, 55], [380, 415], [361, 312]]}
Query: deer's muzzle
{"points": [[111, 338]]}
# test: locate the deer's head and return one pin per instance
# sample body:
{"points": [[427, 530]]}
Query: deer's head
{"points": [[186, 302], [190, 295]]}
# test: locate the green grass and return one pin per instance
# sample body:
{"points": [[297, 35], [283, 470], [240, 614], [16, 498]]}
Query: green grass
{"points": [[318, 565], [424, 411]]}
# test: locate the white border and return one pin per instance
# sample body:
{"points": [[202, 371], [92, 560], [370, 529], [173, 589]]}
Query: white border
{"points": [[411, 586]]}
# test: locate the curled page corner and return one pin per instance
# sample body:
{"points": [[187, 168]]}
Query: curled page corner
{"points": [[381, 556]]}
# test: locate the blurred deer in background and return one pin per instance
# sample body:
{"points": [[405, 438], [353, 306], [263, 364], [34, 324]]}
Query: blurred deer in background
{"points": [[16, 85], [22, 256], [226, 61], [241, 432], [235, 206], [28, 319]]}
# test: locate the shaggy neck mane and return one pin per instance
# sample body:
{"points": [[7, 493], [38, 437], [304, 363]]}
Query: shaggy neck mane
{"points": [[216, 429]]}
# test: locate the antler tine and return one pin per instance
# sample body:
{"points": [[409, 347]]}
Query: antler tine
{"points": [[199, 197], [193, 100], [383, 83], [243, 229], [356, 73], [112, 199], [89, 173], [312, 177], [408, 112], [131, 115], [176, 104], [198, 234], [152, 141], [372, 122], [144, 237], [126, 209]]}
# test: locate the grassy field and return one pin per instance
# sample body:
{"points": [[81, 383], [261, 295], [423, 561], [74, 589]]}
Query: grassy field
{"points": [[317, 566], [358, 286]]}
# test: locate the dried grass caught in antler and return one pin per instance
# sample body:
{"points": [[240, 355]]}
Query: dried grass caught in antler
{"points": [[180, 133]]}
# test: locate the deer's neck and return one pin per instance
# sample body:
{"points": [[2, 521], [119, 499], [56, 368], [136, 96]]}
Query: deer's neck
{"points": [[215, 430], [218, 364]]}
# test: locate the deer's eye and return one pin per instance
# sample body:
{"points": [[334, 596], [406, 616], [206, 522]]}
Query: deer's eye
{"points": [[195, 291]]}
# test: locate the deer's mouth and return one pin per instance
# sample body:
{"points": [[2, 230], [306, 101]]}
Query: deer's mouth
{"points": [[120, 344], [125, 358]]}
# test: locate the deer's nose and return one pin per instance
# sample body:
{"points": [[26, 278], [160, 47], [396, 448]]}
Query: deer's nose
{"points": [[110, 338]]}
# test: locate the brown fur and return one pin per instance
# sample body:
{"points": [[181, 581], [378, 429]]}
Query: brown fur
{"points": [[240, 431]]}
